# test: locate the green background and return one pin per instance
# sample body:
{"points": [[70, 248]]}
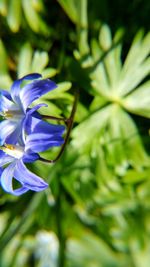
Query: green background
{"points": [[96, 212]]}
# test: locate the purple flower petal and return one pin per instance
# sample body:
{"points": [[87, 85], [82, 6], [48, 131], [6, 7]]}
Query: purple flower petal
{"points": [[37, 125], [7, 181], [34, 90], [1, 170], [6, 177], [42, 135], [6, 129], [6, 94], [5, 102], [30, 156], [5, 159], [33, 110], [15, 136], [28, 179], [15, 89], [40, 142]]}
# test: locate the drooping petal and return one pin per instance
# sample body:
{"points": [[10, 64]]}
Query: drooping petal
{"points": [[7, 176], [28, 179], [7, 181], [32, 111], [34, 90], [37, 125], [6, 129], [15, 89], [40, 142], [30, 157], [5, 159]]}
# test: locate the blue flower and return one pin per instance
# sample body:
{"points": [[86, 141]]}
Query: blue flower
{"points": [[13, 157], [14, 107]]}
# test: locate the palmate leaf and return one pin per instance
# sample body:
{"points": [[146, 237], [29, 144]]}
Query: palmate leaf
{"points": [[14, 11], [113, 128], [115, 81], [125, 143], [111, 80], [85, 133], [138, 101], [30, 61], [136, 66]]}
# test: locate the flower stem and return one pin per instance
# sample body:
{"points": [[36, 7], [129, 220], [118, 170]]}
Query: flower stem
{"points": [[69, 123], [54, 118]]}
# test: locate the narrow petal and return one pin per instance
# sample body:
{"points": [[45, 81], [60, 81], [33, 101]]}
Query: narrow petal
{"points": [[15, 136], [6, 94], [37, 125], [7, 176], [15, 89], [27, 119], [1, 170], [30, 156], [42, 135], [40, 142], [6, 129], [33, 110], [5, 102], [7, 181], [28, 179], [5, 159], [34, 90]]}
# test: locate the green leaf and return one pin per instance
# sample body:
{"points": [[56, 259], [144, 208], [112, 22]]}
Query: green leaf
{"points": [[133, 147], [33, 18], [71, 8], [14, 15], [49, 72], [136, 66], [59, 92], [25, 59], [105, 38], [138, 102], [85, 133], [82, 26], [4, 59], [40, 61], [3, 7], [52, 109], [90, 251], [134, 176]]}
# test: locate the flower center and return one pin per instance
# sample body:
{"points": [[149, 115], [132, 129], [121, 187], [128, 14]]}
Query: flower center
{"points": [[13, 150], [12, 115]]}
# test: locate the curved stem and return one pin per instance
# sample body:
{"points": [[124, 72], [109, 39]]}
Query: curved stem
{"points": [[54, 118], [69, 123]]}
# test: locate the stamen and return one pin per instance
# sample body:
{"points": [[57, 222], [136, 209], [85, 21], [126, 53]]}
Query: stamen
{"points": [[7, 114], [13, 115], [9, 146], [13, 150]]}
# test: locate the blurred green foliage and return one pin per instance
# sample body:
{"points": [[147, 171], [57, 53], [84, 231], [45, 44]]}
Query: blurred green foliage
{"points": [[96, 212]]}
